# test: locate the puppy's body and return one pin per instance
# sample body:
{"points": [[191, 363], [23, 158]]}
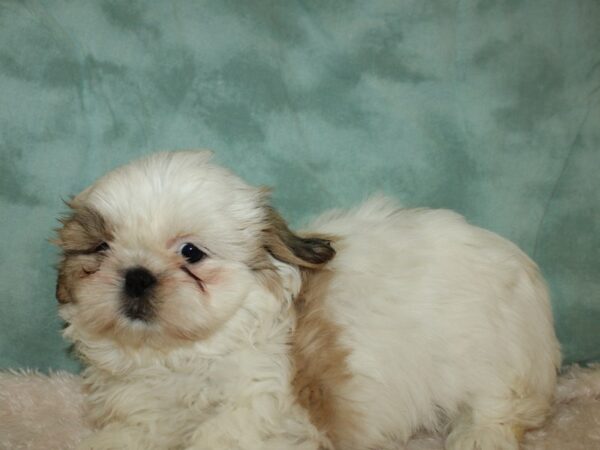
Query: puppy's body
{"points": [[420, 320], [446, 323]]}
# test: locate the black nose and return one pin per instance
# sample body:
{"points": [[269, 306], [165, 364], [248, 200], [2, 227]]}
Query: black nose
{"points": [[138, 281]]}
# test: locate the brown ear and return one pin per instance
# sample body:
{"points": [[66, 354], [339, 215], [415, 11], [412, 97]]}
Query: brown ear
{"points": [[82, 230], [310, 252], [62, 293]]}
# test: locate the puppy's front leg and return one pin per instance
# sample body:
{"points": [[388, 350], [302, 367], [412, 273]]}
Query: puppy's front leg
{"points": [[117, 437], [244, 429]]}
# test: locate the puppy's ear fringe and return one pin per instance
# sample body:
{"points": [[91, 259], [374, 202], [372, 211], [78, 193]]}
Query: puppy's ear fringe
{"points": [[309, 252], [62, 292], [63, 220]]}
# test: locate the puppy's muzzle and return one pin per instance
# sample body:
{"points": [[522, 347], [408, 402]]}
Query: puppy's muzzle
{"points": [[138, 287]]}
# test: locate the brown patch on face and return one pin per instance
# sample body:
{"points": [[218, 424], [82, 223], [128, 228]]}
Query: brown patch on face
{"points": [[69, 271], [81, 234], [303, 251], [320, 361], [83, 230]]}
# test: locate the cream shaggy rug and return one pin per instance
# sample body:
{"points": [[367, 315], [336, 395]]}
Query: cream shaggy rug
{"points": [[40, 412]]}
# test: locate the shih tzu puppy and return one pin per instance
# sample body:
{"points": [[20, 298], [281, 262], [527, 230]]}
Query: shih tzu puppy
{"points": [[206, 323]]}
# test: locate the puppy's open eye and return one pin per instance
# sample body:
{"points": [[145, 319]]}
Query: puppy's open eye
{"points": [[102, 247], [191, 253]]}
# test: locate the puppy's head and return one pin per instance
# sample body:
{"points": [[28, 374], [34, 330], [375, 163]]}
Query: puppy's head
{"points": [[165, 250]]}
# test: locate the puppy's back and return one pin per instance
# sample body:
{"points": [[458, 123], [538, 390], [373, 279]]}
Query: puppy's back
{"points": [[437, 316]]}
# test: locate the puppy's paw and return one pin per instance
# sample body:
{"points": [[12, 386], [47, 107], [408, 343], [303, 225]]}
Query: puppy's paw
{"points": [[482, 437], [114, 440]]}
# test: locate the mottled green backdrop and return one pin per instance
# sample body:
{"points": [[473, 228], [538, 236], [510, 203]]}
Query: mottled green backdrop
{"points": [[489, 107]]}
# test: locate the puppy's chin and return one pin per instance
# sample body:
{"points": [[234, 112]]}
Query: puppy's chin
{"points": [[180, 311]]}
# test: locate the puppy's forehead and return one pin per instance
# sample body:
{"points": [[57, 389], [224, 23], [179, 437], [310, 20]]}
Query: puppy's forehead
{"points": [[173, 194]]}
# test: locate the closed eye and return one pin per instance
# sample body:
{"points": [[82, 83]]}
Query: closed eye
{"points": [[102, 247]]}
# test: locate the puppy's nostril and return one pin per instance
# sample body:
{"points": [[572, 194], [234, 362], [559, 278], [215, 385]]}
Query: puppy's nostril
{"points": [[137, 281]]}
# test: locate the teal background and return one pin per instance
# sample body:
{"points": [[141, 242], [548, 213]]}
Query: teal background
{"points": [[489, 107]]}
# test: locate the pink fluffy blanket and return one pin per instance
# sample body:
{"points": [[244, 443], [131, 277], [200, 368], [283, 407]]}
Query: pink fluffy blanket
{"points": [[45, 412]]}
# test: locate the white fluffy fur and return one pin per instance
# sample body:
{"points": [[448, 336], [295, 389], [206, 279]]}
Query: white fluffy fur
{"points": [[447, 324], [230, 391], [445, 321]]}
